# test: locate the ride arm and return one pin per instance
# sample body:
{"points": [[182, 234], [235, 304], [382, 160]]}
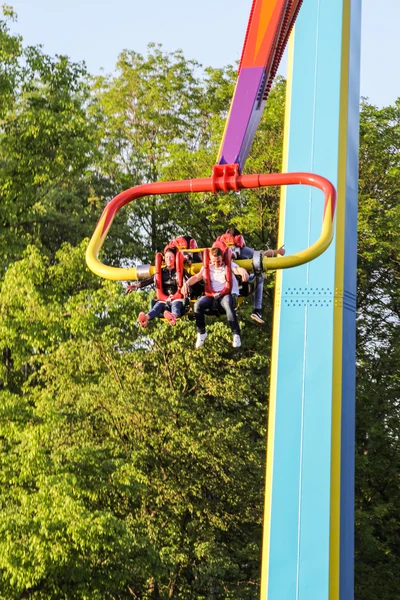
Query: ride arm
{"points": [[224, 179]]}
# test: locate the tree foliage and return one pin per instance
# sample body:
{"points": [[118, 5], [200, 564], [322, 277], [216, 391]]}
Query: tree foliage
{"points": [[131, 466], [47, 148], [378, 355]]}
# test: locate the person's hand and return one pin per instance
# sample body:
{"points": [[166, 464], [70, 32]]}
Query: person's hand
{"points": [[132, 287], [281, 250], [244, 274]]}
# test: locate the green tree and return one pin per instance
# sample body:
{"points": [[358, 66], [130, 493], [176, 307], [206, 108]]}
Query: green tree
{"points": [[49, 190], [132, 465], [104, 492], [10, 52], [378, 356], [148, 105]]}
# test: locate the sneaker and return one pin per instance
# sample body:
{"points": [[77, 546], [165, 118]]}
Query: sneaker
{"points": [[201, 338], [143, 319], [257, 316], [236, 341], [170, 317]]}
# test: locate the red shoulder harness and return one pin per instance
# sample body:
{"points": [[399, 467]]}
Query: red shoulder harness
{"points": [[183, 242], [179, 260], [230, 240]]}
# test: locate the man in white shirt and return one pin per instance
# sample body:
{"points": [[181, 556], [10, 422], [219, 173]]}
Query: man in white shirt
{"points": [[218, 279]]}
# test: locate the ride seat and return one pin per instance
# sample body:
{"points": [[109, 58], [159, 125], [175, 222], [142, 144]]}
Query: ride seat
{"points": [[246, 287]]}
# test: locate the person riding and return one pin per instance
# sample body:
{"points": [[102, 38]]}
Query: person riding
{"points": [[234, 239], [186, 244], [220, 287], [169, 281]]}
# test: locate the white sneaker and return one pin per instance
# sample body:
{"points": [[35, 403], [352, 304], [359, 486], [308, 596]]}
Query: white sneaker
{"points": [[236, 341], [201, 338]]}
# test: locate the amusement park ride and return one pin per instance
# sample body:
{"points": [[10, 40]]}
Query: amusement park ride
{"points": [[309, 499]]}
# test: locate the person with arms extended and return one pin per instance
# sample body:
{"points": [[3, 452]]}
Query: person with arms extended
{"points": [[168, 281], [220, 286], [234, 239]]}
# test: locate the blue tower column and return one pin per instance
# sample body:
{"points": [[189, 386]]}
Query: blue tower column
{"points": [[309, 503]]}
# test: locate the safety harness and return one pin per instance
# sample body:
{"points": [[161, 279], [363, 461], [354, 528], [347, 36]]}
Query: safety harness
{"points": [[232, 240], [179, 260]]}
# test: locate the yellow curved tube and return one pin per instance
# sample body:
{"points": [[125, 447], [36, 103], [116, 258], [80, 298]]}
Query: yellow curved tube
{"points": [[224, 178]]}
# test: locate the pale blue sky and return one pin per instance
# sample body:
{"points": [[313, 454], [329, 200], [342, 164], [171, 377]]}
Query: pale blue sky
{"points": [[210, 31]]}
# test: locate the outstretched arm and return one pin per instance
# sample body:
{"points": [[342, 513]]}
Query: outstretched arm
{"points": [[137, 285], [271, 253]]}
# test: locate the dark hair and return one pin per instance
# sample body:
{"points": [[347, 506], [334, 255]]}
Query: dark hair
{"points": [[171, 249], [233, 231], [216, 252]]}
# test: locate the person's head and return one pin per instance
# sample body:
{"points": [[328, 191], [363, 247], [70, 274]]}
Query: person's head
{"points": [[216, 257], [233, 237], [169, 257], [185, 242], [188, 257], [233, 231]]}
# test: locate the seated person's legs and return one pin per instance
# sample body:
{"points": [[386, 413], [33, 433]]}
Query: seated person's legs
{"points": [[177, 308], [227, 304], [156, 311], [246, 252], [257, 301], [258, 293], [174, 311], [199, 309]]}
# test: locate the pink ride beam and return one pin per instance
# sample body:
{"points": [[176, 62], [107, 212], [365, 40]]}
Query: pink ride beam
{"points": [[269, 27]]}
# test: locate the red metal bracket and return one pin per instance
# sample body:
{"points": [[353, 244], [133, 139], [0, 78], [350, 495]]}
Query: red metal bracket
{"points": [[225, 171]]}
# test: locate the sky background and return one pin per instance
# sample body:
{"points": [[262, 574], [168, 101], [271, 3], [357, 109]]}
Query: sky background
{"points": [[209, 31]]}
